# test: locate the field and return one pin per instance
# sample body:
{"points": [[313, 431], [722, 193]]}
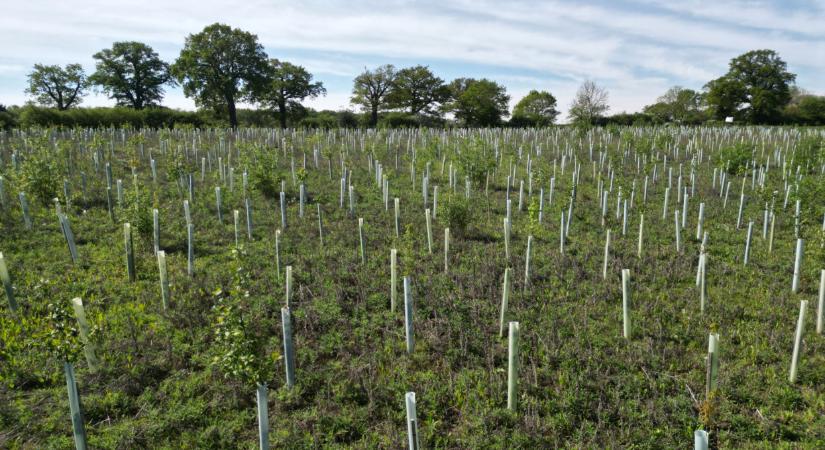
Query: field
{"points": [[183, 373]]}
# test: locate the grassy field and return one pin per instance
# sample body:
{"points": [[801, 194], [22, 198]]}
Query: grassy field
{"points": [[185, 376]]}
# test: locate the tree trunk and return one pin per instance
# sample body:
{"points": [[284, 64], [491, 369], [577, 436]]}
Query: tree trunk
{"points": [[374, 116], [282, 112], [233, 114]]}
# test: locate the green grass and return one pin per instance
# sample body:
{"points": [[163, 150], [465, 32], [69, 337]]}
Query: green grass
{"points": [[581, 384]]}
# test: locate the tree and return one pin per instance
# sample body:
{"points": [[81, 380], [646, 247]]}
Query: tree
{"points": [[478, 103], [371, 90], [58, 87], [590, 103], [806, 109], [677, 105], [537, 108], [220, 66], [132, 74], [755, 89], [286, 86], [418, 90]]}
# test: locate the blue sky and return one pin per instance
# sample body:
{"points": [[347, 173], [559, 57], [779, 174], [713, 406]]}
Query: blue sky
{"points": [[634, 48]]}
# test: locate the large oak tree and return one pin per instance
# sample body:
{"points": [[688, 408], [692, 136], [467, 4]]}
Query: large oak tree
{"points": [[132, 74], [755, 90], [220, 66], [58, 87], [371, 90], [286, 86]]}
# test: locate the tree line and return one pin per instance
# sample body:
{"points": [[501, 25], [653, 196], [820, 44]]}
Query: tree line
{"points": [[221, 66]]}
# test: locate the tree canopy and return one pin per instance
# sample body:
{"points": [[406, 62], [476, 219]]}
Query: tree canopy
{"points": [[478, 103], [418, 91], [132, 74], [220, 66], [371, 90], [58, 87], [677, 105], [589, 104], [287, 85], [537, 108], [755, 89]]}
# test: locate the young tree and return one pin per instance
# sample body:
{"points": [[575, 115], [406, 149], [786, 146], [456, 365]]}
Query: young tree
{"points": [[286, 86], [418, 90], [756, 88], [56, 86], [220, 66], [372, 88], [537, 108], [478, 103], [590, 103], [132, 74]]}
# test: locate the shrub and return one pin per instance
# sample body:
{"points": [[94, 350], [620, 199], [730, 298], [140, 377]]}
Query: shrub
{"points": [[39, 173], [734, 159], [456, 213]]}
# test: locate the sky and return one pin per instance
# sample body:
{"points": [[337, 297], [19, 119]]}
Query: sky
{"points": [[636, 49]]}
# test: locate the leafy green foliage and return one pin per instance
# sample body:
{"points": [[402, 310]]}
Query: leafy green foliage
{"points": [[40, 174], [131, 73], [456, 213], [734, 159]]}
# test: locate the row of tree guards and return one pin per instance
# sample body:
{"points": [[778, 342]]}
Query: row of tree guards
{"points": [[665, 171]]}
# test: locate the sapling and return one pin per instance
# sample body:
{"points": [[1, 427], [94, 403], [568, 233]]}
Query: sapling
{"points": [[190, 254], [712, 363], [641, 234], [155, 230], [527, 263], [408, 315], [361, 240], [78, 424], [283, 210], [7, 286], [278, 253], [24, 206], [820, 310], [413, 440], [505, 298], [164, 279], [700, 440], [678, 235], [606, 254], [507, 238], [130, 254], [301, 197], [429, 223], [512, 366], [700, 221], [289, 350], [83, 328], [236, 219], [446, 250], [797, 266], [218, 202], [397, 203], [748, 243], [561, 234], [110, 204], [797, 342], [393, 278], [288, 286], [626, 303]]}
